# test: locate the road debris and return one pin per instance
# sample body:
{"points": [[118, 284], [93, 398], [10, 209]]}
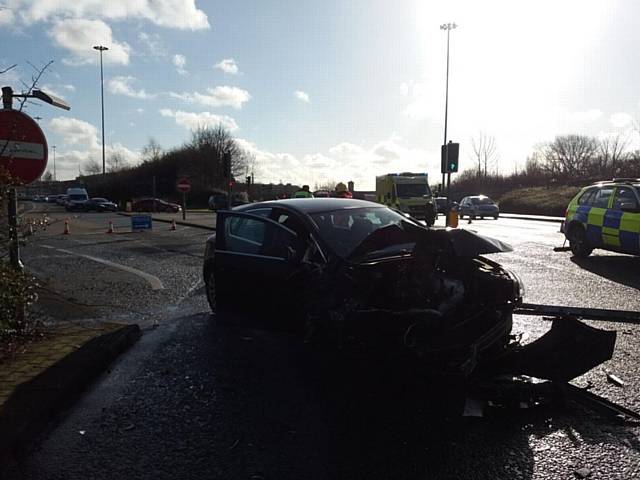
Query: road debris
{"points": [[582, 472], [617, 381]]}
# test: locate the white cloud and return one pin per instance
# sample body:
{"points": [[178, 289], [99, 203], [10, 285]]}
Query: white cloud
{"points": [[621, 119], [69, 87], [6, 17], [228, 65], [79, 36], [153, 44], [342, 162], [302, 96], [193, 120], [180, 14], [122, 86], [222, 96], [179, 61], [75, 131]]}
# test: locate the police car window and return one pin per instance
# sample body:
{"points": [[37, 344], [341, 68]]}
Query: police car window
{"points": [[625, 197], [587, 197], [261, 212], [602, 197]]}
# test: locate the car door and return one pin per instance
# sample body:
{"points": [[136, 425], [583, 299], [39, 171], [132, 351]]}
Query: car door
{"points": [[254, 259], [624, 218], [599, 234]]}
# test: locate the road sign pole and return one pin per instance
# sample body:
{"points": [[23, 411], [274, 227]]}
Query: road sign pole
{"points": [[184, 205], [14, 242]]}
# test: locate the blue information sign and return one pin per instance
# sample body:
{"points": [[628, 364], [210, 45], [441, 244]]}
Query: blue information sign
{"points": [[141, 222]]}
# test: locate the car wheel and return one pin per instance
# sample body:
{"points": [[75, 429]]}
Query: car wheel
{"points": [[481, 217], [472, 217], [578, 242], [495, 217]]}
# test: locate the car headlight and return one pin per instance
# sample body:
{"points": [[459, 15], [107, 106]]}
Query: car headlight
{"points": [[518, 285]]}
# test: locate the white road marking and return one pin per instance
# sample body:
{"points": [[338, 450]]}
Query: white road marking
{"points": [[155, 282]]}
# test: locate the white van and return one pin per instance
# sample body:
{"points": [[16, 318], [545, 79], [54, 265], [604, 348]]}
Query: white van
{"points": [[77, 198]]}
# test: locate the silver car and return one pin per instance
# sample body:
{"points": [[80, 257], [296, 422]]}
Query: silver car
{"points": [[479, 206]]}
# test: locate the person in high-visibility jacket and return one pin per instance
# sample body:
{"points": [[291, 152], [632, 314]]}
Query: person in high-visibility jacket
{"points": [[303, 192]]}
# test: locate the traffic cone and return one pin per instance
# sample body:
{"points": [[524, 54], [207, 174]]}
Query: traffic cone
{"points": [[111, 229], [173, 224], [66, 228]]}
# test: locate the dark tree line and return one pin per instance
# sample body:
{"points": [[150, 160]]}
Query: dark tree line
{"points": [[200, 159]]}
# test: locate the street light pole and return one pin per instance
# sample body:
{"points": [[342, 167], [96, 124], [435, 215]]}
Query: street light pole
{"points": [[54, 162], [448, 27], [101, 49]]}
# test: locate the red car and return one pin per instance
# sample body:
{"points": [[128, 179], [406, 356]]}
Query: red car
{"points": [[147, 205]]}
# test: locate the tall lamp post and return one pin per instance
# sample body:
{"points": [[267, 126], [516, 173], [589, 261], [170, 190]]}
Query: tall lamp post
{"points": [[448, 27], [101, 49], [54, 162]]}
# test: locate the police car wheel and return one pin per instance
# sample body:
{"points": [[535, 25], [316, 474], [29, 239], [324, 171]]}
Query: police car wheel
{"points": [[578, 242]]}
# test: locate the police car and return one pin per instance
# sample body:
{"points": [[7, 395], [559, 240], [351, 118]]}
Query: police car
{"points": [[605, 215]]}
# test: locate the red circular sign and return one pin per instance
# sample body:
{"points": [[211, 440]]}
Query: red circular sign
{"points": [[23, 147], [183, 185]]}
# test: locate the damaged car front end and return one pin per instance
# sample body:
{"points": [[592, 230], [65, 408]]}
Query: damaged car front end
{"points": [[362, 279]]}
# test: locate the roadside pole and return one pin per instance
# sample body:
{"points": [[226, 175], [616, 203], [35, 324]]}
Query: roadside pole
{"points": [[227, 167], [14, 241], [184, 205]]}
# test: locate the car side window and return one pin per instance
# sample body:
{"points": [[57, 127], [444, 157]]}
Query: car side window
{"points": [[258, 237], [587, 198], [261, 212], [624, 198], [602, 197]]}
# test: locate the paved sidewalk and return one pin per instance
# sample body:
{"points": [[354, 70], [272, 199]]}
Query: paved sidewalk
{"points": [[44, 379]]}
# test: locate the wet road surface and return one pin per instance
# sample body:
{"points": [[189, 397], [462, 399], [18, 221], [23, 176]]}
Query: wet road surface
{"points": [[194, 399]]}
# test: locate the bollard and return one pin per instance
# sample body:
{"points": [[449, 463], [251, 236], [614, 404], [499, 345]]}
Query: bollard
{"points": [[452, 216], [173, 224], [66, 228], [111, 229]]}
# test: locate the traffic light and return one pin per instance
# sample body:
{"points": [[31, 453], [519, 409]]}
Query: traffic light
{"points": [[226, 164], [249, 180], [449, 157]]}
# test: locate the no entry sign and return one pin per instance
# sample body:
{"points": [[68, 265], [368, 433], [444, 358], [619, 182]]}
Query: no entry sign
{"points": [[23, 147], [183, 185]]}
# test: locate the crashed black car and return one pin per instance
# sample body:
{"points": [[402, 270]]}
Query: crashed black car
{"points": [[361, 275]]}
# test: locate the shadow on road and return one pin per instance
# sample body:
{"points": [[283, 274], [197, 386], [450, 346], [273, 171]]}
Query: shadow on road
{"points": [[621, 269]]}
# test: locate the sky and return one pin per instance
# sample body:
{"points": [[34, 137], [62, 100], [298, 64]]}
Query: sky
{"points": [[326, 90]]}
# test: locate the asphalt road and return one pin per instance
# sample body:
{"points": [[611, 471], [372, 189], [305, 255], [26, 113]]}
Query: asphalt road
{"points": [[194, 399]]}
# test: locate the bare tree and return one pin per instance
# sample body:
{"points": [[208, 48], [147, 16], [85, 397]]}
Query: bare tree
{"points": [[568, 155], [92, 167], [485, 153], [116, 162], [612, 152], [152, 151]]}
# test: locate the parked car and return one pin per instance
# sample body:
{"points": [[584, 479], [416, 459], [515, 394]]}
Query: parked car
{"points": [[364, 274], [605, 215], [218, 201], [52, 198], [62, 200], [321, 194], [99, 204], [478, 206], [147, 205]]}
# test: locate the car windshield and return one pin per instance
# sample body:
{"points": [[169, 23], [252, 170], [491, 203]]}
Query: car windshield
{"points": [[77, 196], [482, 201], [345, 230], [407, 190]]}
